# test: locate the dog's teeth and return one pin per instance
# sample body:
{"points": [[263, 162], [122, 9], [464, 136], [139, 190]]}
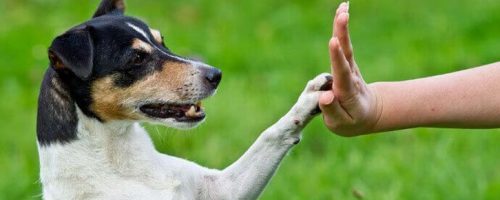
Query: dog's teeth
{"points": [[191, 112]]}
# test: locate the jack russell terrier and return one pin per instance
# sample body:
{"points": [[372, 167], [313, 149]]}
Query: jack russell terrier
{"points": [[113, 72]]}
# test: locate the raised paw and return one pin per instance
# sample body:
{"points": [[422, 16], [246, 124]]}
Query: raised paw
{"points": [[322, 82], [307, 105]]}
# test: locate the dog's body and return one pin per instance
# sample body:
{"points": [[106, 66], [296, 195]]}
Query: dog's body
{"points": [[97, 91]]}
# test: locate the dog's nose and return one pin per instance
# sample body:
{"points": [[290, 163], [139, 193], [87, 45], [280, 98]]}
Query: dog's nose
{"points": [[213, 76]]}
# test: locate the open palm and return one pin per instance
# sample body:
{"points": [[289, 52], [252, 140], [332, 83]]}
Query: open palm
{"points": [[351, 107]]}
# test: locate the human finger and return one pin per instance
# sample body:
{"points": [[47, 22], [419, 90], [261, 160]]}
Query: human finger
{"points": [[341, 70]]}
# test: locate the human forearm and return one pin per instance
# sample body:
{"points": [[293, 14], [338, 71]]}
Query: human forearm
{"points": [[464, 99]]}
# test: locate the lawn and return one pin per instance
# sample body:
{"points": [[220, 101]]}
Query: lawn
{"points": [[268, 49]]}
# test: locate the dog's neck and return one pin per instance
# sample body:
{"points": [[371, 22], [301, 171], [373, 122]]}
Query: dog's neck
{"points": [[103, 154], [73, 145], [114, 148]]}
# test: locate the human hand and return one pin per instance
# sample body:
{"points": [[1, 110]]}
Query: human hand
{"points": [[351, 108]]}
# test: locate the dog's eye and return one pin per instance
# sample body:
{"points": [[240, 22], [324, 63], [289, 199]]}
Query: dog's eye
{"points": [[139, 58]]}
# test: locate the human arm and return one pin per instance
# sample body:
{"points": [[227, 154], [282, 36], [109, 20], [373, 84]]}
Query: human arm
{"points": [[464, 99]]}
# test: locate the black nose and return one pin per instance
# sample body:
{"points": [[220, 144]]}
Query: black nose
{"points": [[213, 76]]}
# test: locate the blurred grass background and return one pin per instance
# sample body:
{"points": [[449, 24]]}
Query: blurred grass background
{"points": [[268, 49]]}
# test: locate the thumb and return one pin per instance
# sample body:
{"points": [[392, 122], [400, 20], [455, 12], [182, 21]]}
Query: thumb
{"points": [[326, 99], [331, 108]]}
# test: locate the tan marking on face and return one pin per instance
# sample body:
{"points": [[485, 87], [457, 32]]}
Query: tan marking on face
{"points": [[115, 103], [141, 45], [108, 101], [157, 35]]}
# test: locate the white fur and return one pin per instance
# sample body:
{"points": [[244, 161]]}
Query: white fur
{"points": [[139, 30], [143, 33], [117, 160]]}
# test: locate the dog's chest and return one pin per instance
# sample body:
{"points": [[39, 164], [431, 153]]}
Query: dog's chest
{"points": [[124, 169], [95, 180], [112, 188]]}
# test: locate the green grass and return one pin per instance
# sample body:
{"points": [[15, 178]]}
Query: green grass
{"points": [[268, 50]]}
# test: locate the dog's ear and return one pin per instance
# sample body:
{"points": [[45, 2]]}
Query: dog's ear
{"points": [[73, 51], [116, 7]]}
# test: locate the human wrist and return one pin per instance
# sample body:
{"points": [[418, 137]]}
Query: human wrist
{"points": [[377, 107]]}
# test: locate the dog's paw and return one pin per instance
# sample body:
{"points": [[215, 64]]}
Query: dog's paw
{"points": [[322, 82], [307, 105]]}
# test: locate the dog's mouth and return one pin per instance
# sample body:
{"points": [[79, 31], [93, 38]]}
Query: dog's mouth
{"points": [[179, 112]]}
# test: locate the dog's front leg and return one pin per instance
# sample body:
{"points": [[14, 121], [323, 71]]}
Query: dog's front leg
{"points": [[247, 177]]}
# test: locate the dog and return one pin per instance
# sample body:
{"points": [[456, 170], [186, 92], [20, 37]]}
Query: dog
{"points": [[113, 72]]}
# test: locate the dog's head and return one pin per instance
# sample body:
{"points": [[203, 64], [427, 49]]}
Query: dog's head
{"points": [[117, 68]]}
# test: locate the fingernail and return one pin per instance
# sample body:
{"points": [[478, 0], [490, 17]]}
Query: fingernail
{"points": [[347, 6]]}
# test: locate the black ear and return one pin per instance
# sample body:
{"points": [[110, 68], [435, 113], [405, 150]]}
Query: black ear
{"points": [[110, 7], [73, 51]]}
